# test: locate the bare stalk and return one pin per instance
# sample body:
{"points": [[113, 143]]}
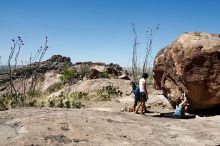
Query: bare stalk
{"points": [[134, 56], [16, 43], [38, 56], [147, 59]]}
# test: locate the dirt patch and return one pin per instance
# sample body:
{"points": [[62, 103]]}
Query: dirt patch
{"points": [[6, 133]]}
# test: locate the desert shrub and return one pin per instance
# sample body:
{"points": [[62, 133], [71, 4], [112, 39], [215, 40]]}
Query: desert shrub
{"points": [[52, 103], [108, 92], [67, 75], [104, 75], [77, 104], [68, 104], [55, 102], [65, 100], [55, 87], [11, 100], [79, 95]]}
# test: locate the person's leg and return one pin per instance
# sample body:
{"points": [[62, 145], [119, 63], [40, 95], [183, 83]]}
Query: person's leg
{"points": [[139, 105], [135, 103], [142, 107], [143, 103]]}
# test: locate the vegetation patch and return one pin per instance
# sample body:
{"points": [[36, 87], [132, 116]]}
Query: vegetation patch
{"points": [[34, 93], [11, 100], [104, 75], [53, 88], [64, 100], [108, 92], [67, 75]]}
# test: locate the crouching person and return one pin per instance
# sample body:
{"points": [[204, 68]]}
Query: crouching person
{"points": [[181, 107]]}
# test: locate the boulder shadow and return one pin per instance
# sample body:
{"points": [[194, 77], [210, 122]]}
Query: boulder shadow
{"points": [[209, 112], [172, 116]]}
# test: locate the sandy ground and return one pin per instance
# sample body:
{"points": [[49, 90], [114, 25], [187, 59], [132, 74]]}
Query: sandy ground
{"points": [[104, 125]]}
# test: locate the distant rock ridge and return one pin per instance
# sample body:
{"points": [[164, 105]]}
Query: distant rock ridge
{"points": [[112, 65], [58, 62]]}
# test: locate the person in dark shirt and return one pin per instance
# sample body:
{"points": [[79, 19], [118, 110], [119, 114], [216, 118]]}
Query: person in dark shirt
{"points": [[136, 91]]}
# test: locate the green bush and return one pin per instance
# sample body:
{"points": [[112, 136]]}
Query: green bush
{"points": [[104, 75], [68, 104], [67, 75]]}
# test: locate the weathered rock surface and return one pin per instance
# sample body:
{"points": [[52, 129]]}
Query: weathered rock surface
{"points": [[93, 74], [190, 64], [56, 62]]}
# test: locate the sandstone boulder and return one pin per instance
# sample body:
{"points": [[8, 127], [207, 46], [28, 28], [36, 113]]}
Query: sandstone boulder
{"points": [[190, 64]]}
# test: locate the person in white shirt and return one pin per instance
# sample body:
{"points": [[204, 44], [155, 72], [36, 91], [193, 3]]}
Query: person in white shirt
{"points": [[143, 92]]}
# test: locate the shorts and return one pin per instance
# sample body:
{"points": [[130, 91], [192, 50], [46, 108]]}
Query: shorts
{"points": [[136, 100], [143, 97]]}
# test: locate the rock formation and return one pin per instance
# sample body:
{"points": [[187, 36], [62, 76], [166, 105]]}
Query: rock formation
{"points": [[190, 64], [56, 62]]}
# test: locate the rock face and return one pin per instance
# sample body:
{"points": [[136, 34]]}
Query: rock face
{"points": [[56, 62], [190, 64]]}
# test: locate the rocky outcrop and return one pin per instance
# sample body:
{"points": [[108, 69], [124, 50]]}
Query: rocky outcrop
{"points": [[56, 62], [125, 77], [113, 71], [91, 69], [190, 64], [93, 74]]}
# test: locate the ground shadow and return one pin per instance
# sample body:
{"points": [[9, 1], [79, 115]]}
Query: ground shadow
{"points": [[209, 112], [172, 116]]}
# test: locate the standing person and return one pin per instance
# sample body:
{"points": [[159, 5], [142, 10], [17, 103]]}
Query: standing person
{"points": [[135, 89], [143, 92]]}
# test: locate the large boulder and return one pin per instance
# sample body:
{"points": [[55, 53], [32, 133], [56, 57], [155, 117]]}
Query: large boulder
{"points": [[190, 64]]}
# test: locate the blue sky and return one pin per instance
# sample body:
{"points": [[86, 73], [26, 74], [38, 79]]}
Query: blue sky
{"points": [[101, 30]]}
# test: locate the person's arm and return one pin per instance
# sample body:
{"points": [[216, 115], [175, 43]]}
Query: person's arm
{"points": [[184, 100], [145, 88], [129, 93]]}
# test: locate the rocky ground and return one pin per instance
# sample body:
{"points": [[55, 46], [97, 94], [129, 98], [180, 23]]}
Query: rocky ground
{"points": [[103, 124]]}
